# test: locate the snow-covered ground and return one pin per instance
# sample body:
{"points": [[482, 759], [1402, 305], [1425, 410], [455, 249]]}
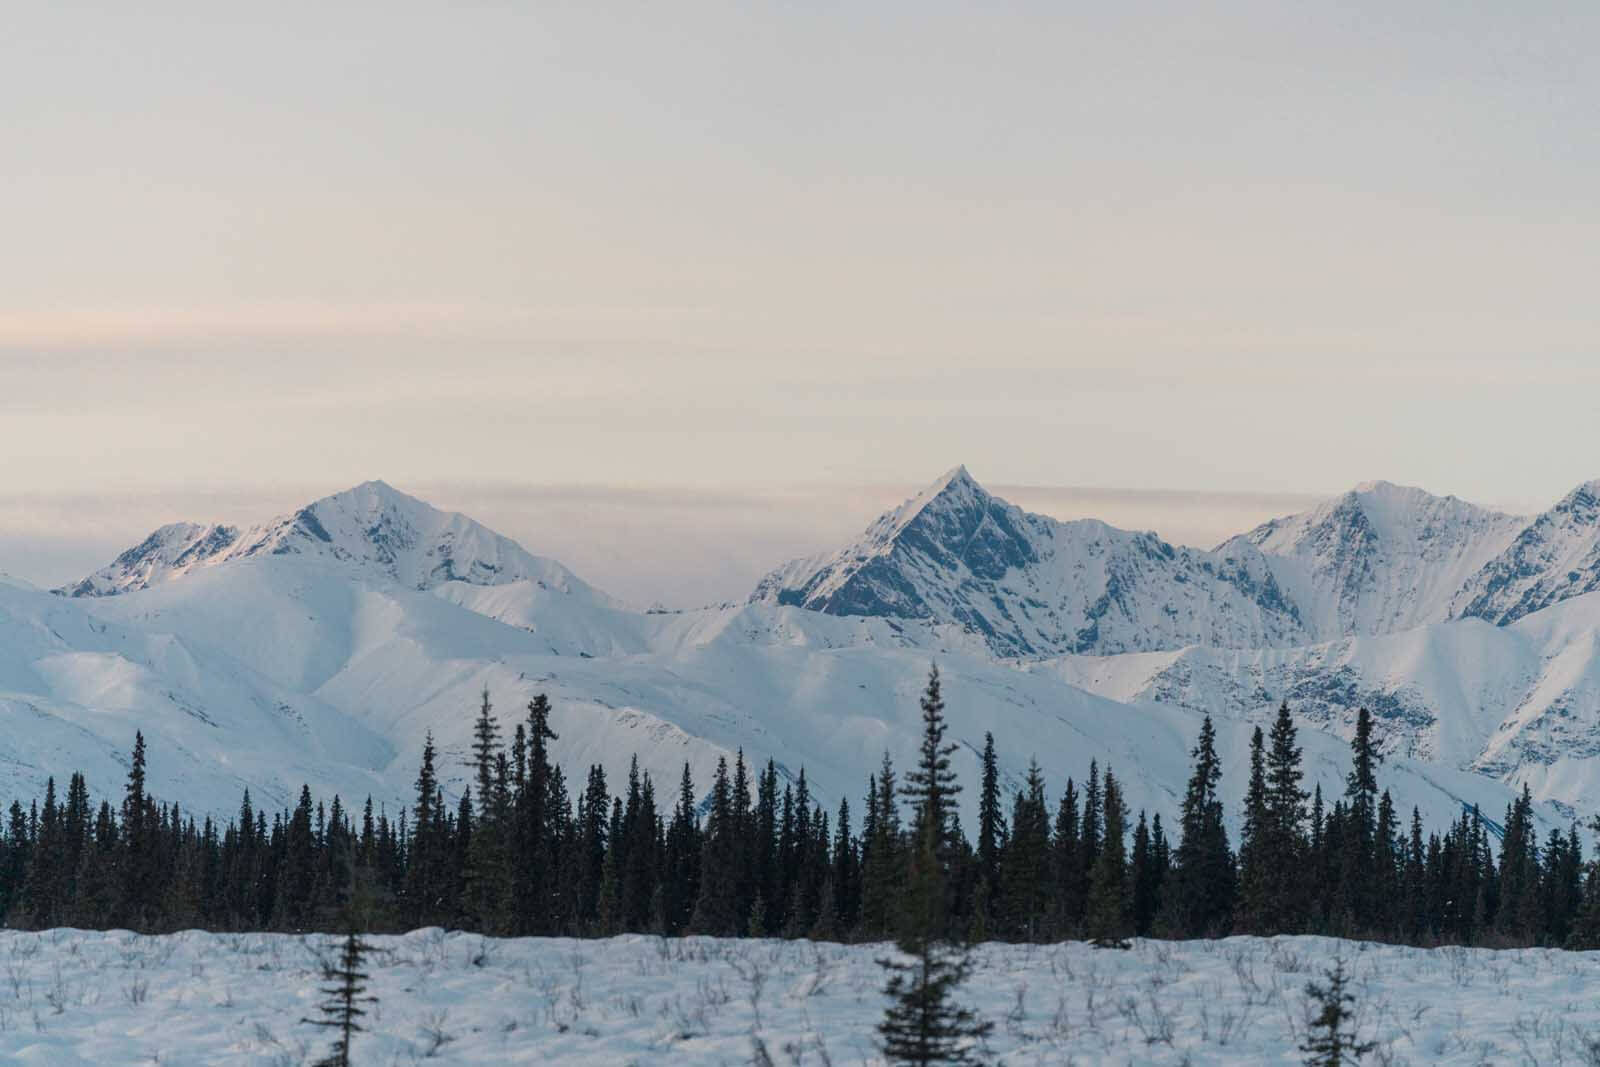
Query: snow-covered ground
{"points": [[72, 998]]}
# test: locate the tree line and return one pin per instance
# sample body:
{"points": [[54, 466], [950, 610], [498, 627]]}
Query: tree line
{"points": [[523, 852]]}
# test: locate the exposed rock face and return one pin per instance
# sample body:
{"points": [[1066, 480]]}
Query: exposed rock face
{"points": [[1554, 558], [1033, 586]]}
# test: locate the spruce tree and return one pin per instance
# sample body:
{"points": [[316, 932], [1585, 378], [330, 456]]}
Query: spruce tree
{"points": [[1199, 897], [138, 862], [1384, 918], [344, 999], [766, 875], [594, 837], [931, 785], [682, 860], [716, 909], [844, 875], [1026, 869], [883, 868], [425, 866], [1070, 876], [1108, 919], [922, 1025], [1358, 843], [1331, 1040], [536, 863], [1285, 843], [485, 744], [1144, 877], [1256, 847], [991, 830]]}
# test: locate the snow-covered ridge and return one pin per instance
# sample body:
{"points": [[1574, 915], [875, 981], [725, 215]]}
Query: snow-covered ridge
{"points": [[373, 527], [1035, 586], [1379, 559]]}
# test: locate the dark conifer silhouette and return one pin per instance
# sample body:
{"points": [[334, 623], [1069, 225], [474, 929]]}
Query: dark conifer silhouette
{"points": [[763, 857], [1331, 1040], [344, 999], [922, 1024]]}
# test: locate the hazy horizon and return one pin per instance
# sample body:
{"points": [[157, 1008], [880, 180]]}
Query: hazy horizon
{"points": [[682, 546]]}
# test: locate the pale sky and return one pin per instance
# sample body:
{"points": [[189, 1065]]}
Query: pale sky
{"points": [[1270, 249]]}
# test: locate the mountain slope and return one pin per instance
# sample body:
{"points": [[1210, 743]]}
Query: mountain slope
{"points": [[1380, 558], [1520, 703], [826, 693], [1033, 586]]}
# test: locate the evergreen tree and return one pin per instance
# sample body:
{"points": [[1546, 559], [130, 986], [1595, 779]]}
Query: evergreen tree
{"points": [[1199, 897], [883, 864], [1144, 874], [844, 875], [536, 863], [1026, 871], [297, 870], [425, 869], [1331, 1041], [921, 1024], [1071, 875], [594, 835], [1255, 846], [991, 829], [931, 786], [485, 745], [1359, 839], [682, 861], [767, 874], [344, 999], [1109, 922], [138, 864], [1384, 918], [716, 910], [1285, 846]]}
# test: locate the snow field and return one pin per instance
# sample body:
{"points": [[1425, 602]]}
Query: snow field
{"points": [[70, 998]]}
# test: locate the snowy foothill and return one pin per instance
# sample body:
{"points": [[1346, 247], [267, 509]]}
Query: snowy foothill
{"points": [[70, 998]]}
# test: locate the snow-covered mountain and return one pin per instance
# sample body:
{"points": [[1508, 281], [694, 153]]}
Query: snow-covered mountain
{"points": [[373, 526], [324, 646], [1380, 558], [1033, 586]]}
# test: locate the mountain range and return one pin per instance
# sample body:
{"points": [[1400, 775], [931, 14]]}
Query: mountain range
{"points": [[324, 646]]}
